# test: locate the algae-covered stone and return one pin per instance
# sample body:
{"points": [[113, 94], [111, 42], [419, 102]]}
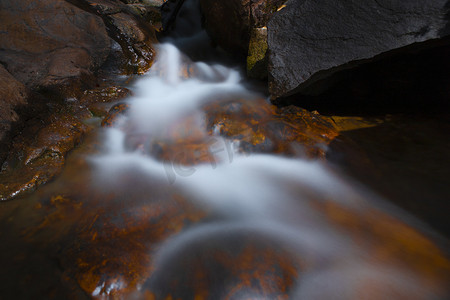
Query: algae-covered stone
{"points": [[257, 53]]}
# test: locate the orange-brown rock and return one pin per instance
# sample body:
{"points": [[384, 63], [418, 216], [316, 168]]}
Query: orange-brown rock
{"points": [[39, 153], [183, 152], [90, 240], [238, 265], [122, 242], [392, 242], [114, 113], [258, 127], [136, 39], [128, 239], [99, 101], [31, 163], [262, 127], [107, 243]]}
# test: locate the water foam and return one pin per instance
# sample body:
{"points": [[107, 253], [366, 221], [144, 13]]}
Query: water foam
{"points": [[263, 194]]}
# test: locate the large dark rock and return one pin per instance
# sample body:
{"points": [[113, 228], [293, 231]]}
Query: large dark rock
{"points": [[12, 96], [130, 27], [46, 42], [52, 54], [43, 45], [310, 40]]}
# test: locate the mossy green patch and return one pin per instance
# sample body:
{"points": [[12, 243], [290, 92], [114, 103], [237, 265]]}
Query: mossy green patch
{"points": [[257, 53]]}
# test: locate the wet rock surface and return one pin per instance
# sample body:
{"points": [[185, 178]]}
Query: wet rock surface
{"points": [[400, 156], [58, 59], [262, 128], [225, 274], [128, 27], [99, 101], [254, 126], [38, 154], [129, 233], [35, 163], [85, 241]]}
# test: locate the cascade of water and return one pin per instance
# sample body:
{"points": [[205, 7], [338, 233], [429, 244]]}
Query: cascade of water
{"points": [[272, 197]]}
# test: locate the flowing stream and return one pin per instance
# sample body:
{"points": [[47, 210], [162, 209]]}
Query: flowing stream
{"points": [[169, 206], [342, 241]]}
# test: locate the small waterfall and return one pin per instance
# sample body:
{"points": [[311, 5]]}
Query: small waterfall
{"points": [[297, 205]]}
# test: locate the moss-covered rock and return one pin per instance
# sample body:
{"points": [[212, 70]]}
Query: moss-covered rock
{"points": [[257, 58]]}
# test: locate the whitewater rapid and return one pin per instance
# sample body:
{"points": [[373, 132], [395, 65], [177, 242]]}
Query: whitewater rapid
{"points": [[265, 195]]}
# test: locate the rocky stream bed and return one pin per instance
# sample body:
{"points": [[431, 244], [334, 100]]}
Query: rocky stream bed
{"points": [[198, 149]]}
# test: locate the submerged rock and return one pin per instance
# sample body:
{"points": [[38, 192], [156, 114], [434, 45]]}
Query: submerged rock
{"points": [[154, 241], [126, 245], [112, 117], [250, 126], [225, 264], [259, 127], [402, 157]]}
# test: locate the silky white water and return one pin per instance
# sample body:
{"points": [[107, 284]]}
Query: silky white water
{"points": [[264, 195]]}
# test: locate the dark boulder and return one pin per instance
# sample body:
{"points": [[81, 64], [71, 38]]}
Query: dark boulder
{"points": [[12, 96], [129, 27], [310, 40], [135, 39], [47, 42], [54, 56]]}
